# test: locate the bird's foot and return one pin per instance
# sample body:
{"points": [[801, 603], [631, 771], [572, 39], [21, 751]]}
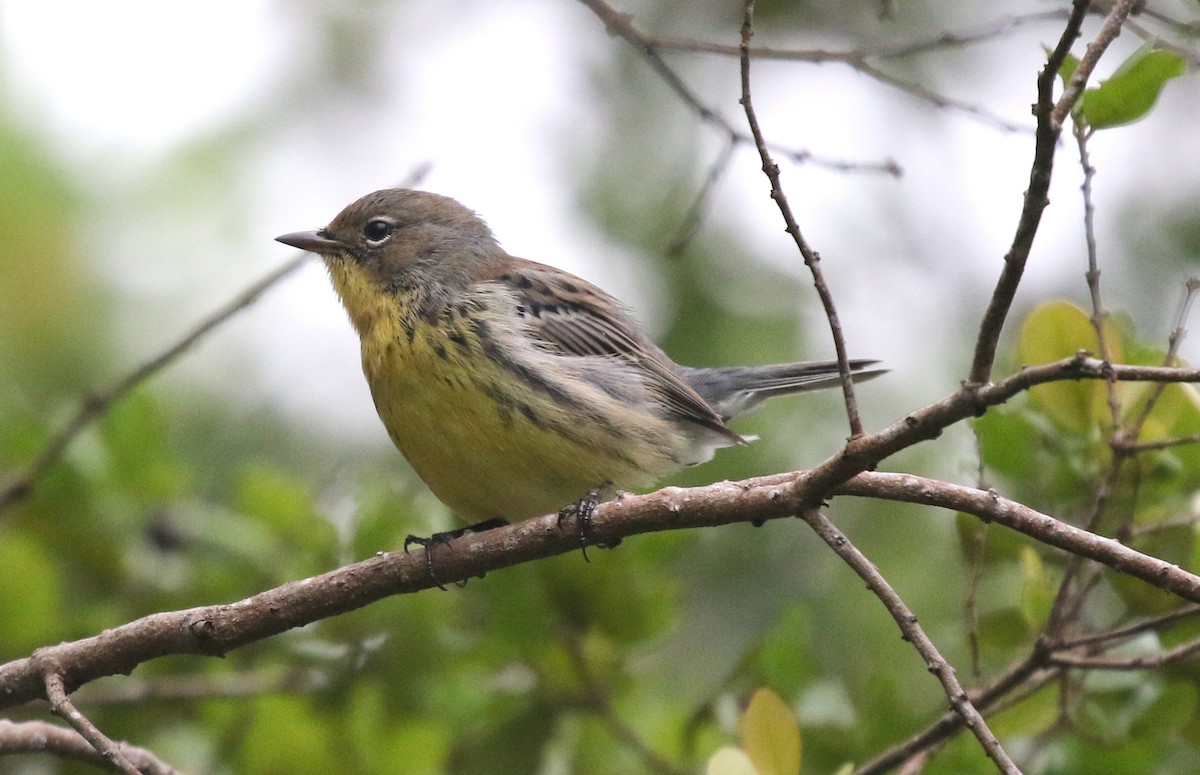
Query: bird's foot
{"points": [[446, 537], [582, 510]]}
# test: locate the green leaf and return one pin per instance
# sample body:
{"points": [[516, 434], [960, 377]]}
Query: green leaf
{"points": [[30, 597], [1030, 717], [139, 451], [771, 735], [1037, 589], [1008, 443], [1059, 329], [1133, 89], [1170, 713], [1068, 67]]}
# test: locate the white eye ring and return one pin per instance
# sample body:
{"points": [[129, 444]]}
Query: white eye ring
{"points": [[378, 230]]}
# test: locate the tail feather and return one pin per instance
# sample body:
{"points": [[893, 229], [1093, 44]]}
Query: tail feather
{"points": [[735, 390]]}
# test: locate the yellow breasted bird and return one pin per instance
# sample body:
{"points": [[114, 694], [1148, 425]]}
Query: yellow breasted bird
{"points": [[515, 389]]}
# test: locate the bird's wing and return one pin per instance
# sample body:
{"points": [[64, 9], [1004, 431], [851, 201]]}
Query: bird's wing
{"points": [[578, 319]]}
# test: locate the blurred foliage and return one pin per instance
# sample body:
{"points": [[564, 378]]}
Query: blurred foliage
{"points": [[177, 498]]}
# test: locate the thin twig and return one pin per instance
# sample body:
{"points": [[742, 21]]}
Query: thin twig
{"points": [[811, 259], [94, 405], [1151, 624], [1174, 340], [926, 94], [621, 25], [695, 215], [25, 737], [1073, 91], [1177, 441], [977, 543], [62, 706], [1092, 276], [960, 702], [1146, 662], [1036, 199], [859, 59], [1025, 675], [598, 700]]}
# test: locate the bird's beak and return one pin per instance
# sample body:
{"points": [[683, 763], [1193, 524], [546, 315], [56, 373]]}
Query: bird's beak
{"points": [[313, 241]]}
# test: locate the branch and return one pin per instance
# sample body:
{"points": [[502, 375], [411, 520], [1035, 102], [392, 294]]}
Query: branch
{"points": [[94, 405], [621, 25], [1036, 199], [811, 259], [27, 737], [62, 706], [217, 629], [1147, 662], [1087, 63], [597, 699], [960, 703]]}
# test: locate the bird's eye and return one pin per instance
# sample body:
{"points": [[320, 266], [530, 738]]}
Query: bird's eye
{"points": [[378, 229]]}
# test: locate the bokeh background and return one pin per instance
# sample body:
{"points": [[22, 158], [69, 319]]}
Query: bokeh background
{"points": [[149, 154]]}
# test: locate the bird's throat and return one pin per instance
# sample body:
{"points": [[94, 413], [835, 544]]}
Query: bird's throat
{"points": [[367, 304]]}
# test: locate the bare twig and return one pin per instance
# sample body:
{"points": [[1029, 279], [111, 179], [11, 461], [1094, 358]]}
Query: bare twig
{"points": [[1178, 441], [695, 216], [811, 259], [26, 737], [1092, 276], [621, 25], [1026, 675], [1145, 662], [598, 700], [98, 402], [61, 704], [1036, 199], [960, 702], [859, 59], [1151, 624], [94, 405], [1174, 340]]}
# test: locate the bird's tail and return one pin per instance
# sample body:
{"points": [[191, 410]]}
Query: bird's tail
{"points": [[735, 390]]}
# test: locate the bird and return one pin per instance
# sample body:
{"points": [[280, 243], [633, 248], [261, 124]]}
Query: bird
{"points": [[515, 389]]}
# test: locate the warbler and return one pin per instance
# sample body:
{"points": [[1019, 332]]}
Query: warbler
{"points": [[513, 388]]}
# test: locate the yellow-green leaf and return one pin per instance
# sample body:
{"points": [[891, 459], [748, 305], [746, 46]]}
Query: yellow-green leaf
{"points": [[1037, 590], [730, 761], [771, 735], [1068, 67], [1056, 330]]}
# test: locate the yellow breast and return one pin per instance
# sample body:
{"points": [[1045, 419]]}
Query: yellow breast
{"points": [[485, 441]]}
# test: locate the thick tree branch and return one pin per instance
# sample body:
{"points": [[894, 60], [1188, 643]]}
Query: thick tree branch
{"points": [[217, 629]]}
